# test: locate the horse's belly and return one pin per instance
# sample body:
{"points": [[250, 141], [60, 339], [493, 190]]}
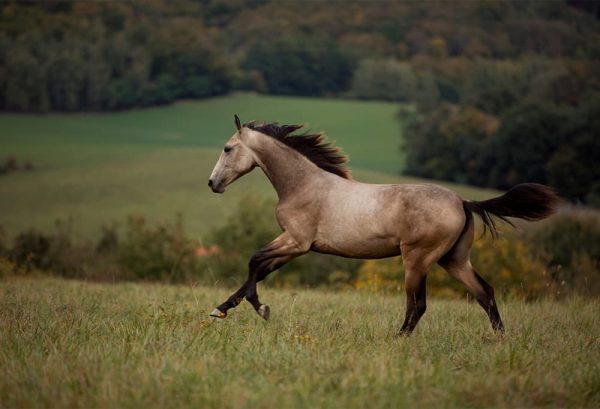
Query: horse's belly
{"points": [[348, 247]]}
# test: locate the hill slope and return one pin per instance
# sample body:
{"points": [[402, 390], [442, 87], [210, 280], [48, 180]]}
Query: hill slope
{"points": [[97, 168]]}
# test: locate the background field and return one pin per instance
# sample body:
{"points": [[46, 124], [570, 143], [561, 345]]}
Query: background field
{"points": [[100, 168], [75, 344]]}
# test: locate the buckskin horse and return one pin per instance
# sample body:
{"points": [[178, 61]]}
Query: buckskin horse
{"points": [[322, 209]]}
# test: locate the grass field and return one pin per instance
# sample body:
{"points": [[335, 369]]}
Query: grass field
{"points": [[76, 344], [100, 168]]}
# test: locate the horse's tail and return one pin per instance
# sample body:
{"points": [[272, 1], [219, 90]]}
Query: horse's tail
{"points": [[528, 201]]}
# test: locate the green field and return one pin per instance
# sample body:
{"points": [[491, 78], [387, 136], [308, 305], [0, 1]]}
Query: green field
{"points": [[76, 344], [99, 168]]}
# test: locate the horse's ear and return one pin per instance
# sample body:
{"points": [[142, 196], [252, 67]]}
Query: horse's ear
{"points": [[238, 124]]}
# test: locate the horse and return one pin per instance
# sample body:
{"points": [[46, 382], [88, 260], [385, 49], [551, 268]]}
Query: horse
{"points": [[321, 208]]}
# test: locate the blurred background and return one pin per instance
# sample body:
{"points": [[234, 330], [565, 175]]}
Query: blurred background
{"points": [[114, 113]]}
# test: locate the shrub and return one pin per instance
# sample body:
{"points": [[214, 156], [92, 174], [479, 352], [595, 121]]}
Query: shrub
{"points": [[570, 245], [54, 251], [506, 264], [158, 253], [30, 250]]}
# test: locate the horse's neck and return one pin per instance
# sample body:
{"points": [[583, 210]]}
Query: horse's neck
{"points": [[287, 169]]}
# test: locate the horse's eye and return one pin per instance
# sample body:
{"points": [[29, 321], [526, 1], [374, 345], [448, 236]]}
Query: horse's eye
{"points": [[227, 149]]}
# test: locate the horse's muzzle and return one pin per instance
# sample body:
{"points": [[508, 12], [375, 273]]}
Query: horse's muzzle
{"points": [[216, 187]]}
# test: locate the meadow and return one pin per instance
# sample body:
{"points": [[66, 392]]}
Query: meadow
{"points": [[77, 344], [86, 344], [96, 169]]}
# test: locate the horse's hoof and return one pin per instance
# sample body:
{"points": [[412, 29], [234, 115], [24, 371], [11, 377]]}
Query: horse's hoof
{"points": [[264, 311], [217, 313]]}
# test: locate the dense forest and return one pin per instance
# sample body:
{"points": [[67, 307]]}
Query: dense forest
{"points": [[500, 91]]}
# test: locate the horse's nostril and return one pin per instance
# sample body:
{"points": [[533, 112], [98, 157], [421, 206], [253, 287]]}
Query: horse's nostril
{"points": [[210, 182]]}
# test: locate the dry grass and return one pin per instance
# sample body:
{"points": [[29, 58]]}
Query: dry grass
{"points": [[76, 344]]}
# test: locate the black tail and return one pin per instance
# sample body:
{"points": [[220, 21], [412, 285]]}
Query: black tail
{"points": [[529, 201]]}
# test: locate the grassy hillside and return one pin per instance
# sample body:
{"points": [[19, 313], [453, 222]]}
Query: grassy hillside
{"points": [[96, 168], [74, 344], [367, 131]]}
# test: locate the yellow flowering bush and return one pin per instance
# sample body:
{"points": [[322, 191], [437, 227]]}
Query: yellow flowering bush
{"points": [[506, 263]]}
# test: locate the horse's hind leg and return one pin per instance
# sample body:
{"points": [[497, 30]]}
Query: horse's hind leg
{"points": [[457, 263], [479, 288], [416, 300]]}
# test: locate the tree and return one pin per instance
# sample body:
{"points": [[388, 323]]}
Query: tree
{"points": [[385, 79], [528, 136], [301, 66]]}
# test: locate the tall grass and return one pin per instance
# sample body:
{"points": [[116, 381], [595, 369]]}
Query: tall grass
{"points": [[76, 344]]}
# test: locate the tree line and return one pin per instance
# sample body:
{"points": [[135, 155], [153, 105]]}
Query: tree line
{"points": [[74, 55]]}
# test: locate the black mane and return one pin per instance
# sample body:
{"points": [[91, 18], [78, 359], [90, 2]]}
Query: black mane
{"points": [[314, 146]]}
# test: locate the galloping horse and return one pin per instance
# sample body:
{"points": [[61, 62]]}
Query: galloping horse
{"points": [[322, 209]]}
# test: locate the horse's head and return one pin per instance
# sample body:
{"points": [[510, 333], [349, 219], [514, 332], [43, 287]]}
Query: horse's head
{"points": [[235, 161]]}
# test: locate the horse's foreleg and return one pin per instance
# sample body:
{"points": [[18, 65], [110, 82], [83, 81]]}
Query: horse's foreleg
{"points": [[260, 268], [233, 301], [271, 257], [236, 298], [417, 260]]}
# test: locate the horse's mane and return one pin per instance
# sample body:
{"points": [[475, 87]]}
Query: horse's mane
{"points": [[315, 147]]}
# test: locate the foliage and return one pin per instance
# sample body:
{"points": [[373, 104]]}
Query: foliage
{"points": [[158, 253], [300, 66], [570, 245], [526, 140], [104, 56], [507, 264], [573, 168], [447, 143], [386, 80], [116, 55], [162, 252], [530, 141], [560, 257]]}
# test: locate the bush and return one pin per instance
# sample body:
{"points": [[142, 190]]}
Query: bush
{"points": [[162, 253], [569, 243], [30, 250], [507, 264], [53, 251]]}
